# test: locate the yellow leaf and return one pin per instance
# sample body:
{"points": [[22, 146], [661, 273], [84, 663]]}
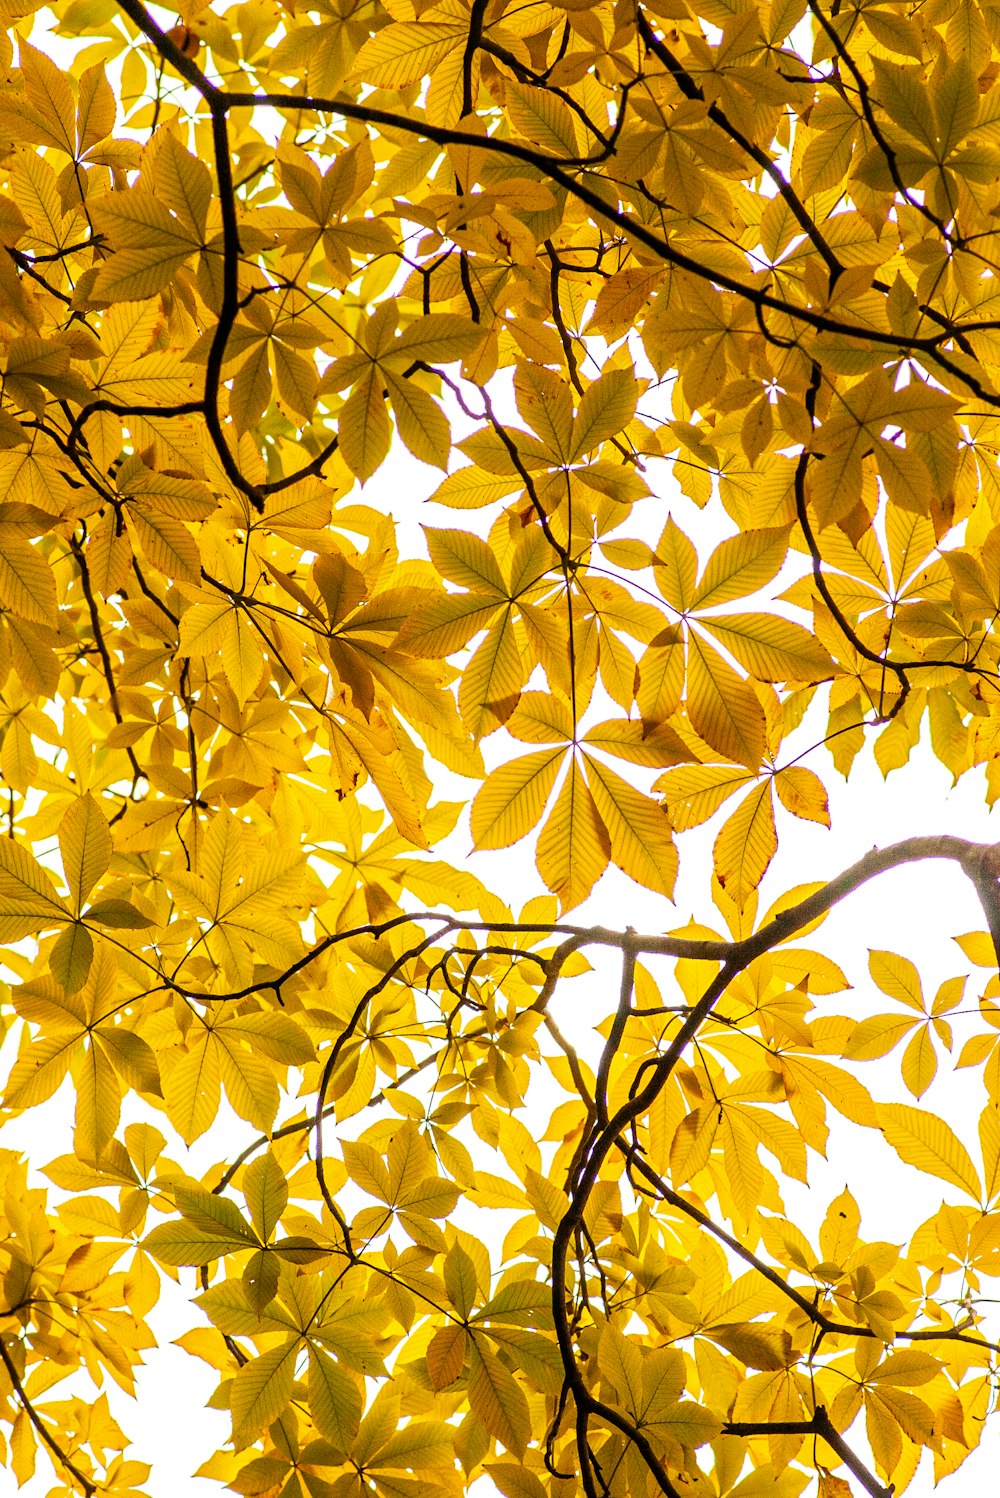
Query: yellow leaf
{"points": [[629, 740], [839, 1232], [191, 1090], [437, 338], [620, 1362], [71, 956], [897, 977], [28, 901], [335, 1399], [676, 566], [641, 841], [573, 846], [405, 52], [514, 1480], [364, 429], [770, 648], [49, 94], [513, 798], [420, 421], [756, 1344], [746, 844], [471, 489], [801, 792], [446, 1355], [926, 1142], [544, 402], [37, 1074], [261, 1391], [542, 118], [85, 844], [98, 1104], [694, 793], [741, 565], [877, 1036], [607, 407], [492, 680], [265, 1191], [27, 586], [165, 541], [463, 558], [989, 1139], [692, 1143], [496, 1399], [919, 1062], [22, 1448], [723, 709]]}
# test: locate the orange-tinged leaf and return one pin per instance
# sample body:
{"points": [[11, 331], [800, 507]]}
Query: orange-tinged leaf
{"points": [[756, 1344], [801, 792], [446, 1355]]}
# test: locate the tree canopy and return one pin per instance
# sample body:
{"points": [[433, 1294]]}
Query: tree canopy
{"points": [[580, 258]]}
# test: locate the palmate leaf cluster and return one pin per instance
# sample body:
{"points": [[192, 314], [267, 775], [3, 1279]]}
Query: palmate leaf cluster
{"points": [[577, 258]]}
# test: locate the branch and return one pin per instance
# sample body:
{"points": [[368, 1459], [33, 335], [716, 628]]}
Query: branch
{"points": [[690, 90], [89, 1487], [820, 1425]]}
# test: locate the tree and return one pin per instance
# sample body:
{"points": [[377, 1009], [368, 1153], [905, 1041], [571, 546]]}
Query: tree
{"points": [[746, 249]]}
